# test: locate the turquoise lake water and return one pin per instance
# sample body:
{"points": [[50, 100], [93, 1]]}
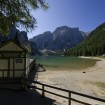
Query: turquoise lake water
{"points": [[65, 62]]}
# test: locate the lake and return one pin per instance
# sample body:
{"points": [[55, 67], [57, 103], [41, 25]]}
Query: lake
{"points": [[65, 62]]}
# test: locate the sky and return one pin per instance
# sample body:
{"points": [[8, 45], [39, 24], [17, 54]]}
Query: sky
{"points": [[85, 14]]}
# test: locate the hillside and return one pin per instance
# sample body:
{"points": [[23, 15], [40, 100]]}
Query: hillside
{"points": [[93, 45]]}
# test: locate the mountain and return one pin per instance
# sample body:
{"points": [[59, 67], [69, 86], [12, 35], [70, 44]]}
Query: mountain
{"points": [[93, 45], [42, 40], [62, 38], [34, 49], [19, 36]]}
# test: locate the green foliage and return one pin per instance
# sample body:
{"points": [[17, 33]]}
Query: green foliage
{"points": [[17, 12], [93, 45]]}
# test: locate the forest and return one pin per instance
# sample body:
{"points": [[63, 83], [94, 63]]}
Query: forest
{"points": [[93, 45]]}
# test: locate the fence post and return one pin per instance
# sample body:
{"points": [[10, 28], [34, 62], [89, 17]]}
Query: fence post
{"points": [[3, 73], [43, 91], [69, 101]]}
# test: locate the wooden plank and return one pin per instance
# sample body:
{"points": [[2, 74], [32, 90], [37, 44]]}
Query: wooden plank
{"points": [[13, 67], [12, 70], [69, 100], [8, 72], [88, 96], [80, 94], [84, 103], [43, 91], [57, 94], [2, 73]]}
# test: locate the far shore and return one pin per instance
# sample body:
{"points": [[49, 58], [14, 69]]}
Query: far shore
{"points": [[89, 81], [91, 57]]}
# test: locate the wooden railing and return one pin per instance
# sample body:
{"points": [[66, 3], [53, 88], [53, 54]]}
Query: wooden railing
{"points": [[64, 90]]}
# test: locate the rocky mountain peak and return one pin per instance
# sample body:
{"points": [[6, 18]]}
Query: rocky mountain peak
{"points": [[62, 38], [19, 36]]}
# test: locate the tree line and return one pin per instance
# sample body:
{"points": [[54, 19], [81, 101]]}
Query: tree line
{"points": [[93, 45]]}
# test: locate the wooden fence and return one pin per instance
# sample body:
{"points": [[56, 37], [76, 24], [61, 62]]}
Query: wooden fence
{"points": [[64, 90]]}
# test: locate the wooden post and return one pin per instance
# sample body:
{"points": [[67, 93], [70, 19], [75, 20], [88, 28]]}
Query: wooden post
{"points": [[69, 101], [3, 73], [43, 91], [22, 84]]}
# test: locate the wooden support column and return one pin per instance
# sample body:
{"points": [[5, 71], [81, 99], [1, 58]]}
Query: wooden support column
{"points": [[13, 67], [43, 94], [8, 72], [69, 101]]}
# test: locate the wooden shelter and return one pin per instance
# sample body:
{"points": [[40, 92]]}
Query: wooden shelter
{"points": [[14, 60]]}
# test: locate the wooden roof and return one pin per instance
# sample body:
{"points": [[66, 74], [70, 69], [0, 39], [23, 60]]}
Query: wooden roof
{"points": [[12, 46]]}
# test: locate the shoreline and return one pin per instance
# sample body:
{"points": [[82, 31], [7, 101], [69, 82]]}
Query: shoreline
{"points": [[75, 80], [91, 57]]}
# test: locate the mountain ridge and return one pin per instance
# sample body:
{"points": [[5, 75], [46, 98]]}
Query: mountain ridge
{"points": [[63, 37], [93, 45]]}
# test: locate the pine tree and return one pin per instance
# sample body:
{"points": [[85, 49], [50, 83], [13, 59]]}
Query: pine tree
{"points": [[17, 13], [93, 45]]}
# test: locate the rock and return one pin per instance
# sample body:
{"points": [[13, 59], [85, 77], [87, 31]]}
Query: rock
{"points": [[62, 38], [43, 40], [19, 36], [34, 48]]}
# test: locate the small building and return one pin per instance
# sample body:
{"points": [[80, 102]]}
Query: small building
{"points": [[14, 60]]}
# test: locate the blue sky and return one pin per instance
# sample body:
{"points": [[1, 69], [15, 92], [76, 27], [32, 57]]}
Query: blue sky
{"points": [[85, 14]]}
